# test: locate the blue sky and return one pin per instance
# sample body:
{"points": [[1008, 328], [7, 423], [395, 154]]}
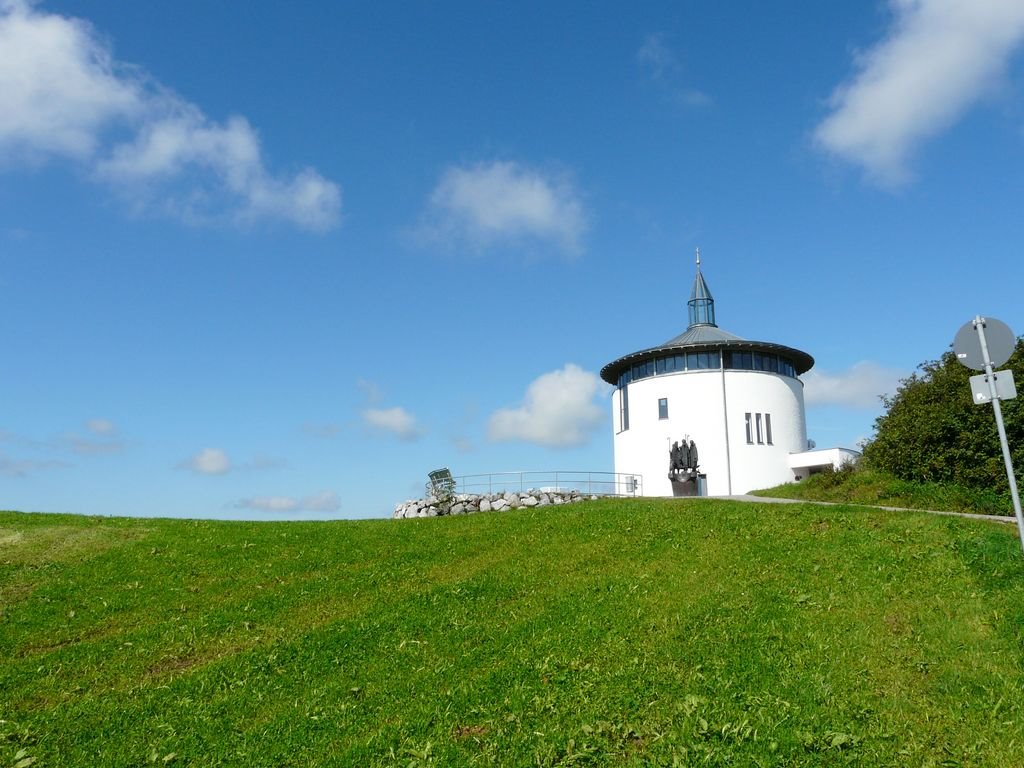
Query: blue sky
{"points": [[281, 260]]}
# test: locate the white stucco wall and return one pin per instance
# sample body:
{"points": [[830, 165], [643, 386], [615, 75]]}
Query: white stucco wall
{"points": [[805, 462], [706, 406]]}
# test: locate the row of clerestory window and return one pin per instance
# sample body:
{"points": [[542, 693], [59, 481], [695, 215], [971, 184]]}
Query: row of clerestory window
{"points": [[704, 361]]}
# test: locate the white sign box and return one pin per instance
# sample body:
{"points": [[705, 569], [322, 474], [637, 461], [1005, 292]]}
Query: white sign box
{"points": [[1005, 387]]}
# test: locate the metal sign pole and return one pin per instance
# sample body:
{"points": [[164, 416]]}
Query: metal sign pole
{"points": [[979, 326]]}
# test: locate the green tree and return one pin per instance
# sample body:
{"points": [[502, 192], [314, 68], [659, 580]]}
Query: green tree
{"points": [[932, 431]]}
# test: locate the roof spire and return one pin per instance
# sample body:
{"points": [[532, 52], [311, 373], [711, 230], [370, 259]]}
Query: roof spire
{"points": [[701, 304]]}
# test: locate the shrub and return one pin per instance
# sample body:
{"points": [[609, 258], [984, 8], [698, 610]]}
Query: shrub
{"points": [[933, 432]]}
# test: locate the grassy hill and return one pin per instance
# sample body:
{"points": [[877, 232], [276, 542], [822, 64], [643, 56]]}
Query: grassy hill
{"points": [[859, 484], [641, 632]]}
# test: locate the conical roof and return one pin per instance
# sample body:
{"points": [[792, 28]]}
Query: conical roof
{"points": [[701, 306], [700, 288]]}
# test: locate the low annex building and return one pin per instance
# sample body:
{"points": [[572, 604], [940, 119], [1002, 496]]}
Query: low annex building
{"points": [[710, 413]]}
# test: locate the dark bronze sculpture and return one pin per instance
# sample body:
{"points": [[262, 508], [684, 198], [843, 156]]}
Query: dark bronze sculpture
{"points": [[682, 460]]}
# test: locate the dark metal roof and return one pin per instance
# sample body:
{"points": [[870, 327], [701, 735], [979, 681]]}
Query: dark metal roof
{"points": [[706, 338], [701, 306], [700, 289], [701, 334]]}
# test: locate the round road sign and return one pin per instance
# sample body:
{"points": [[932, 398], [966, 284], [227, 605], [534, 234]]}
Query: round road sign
{"points": [[998, 338]]}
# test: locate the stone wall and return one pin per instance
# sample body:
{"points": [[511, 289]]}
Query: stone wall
{"points": [[468, 503]]}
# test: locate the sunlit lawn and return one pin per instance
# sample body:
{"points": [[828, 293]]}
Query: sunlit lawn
{"points": [[641, 632]]}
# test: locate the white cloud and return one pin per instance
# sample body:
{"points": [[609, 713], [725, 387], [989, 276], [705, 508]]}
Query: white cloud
{"points": [[940, 57], [371, 390], [262, 461], [269, 503], [325, 501], [463, 444], [860, 386], [63, 94], [12, 467], [85, 447], [101, 427], [214, 461], [502, 201], [226, 170], [662, 66], [59, 86], [322, 429], [558, 410], [101, 440], [209, 461], [656, 57], [396, 421]]}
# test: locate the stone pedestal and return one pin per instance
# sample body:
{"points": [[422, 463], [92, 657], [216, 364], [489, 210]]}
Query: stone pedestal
{"points": [[687, 483]]}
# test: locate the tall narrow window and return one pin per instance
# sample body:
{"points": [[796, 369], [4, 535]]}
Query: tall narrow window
{"points": [[623, 409], [768, 428], [663, 408], [760, 435], [750, 431]]}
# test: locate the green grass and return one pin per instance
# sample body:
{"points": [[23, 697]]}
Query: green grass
{"points": [[641, 632], [862, 485]]}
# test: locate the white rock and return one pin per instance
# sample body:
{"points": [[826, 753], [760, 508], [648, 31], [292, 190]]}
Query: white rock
{"points": [[467, 503]]}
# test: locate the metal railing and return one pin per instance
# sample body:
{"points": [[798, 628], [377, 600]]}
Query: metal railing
{"points": [[590, 483]]}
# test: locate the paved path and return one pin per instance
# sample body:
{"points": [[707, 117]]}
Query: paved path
{"points": [[771, 500]]}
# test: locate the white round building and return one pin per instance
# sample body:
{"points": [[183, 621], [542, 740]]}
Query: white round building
{"points": [[739, 403]]}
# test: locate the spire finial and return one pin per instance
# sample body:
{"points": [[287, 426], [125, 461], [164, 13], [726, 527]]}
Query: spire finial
{"points": [[698, 259]]}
